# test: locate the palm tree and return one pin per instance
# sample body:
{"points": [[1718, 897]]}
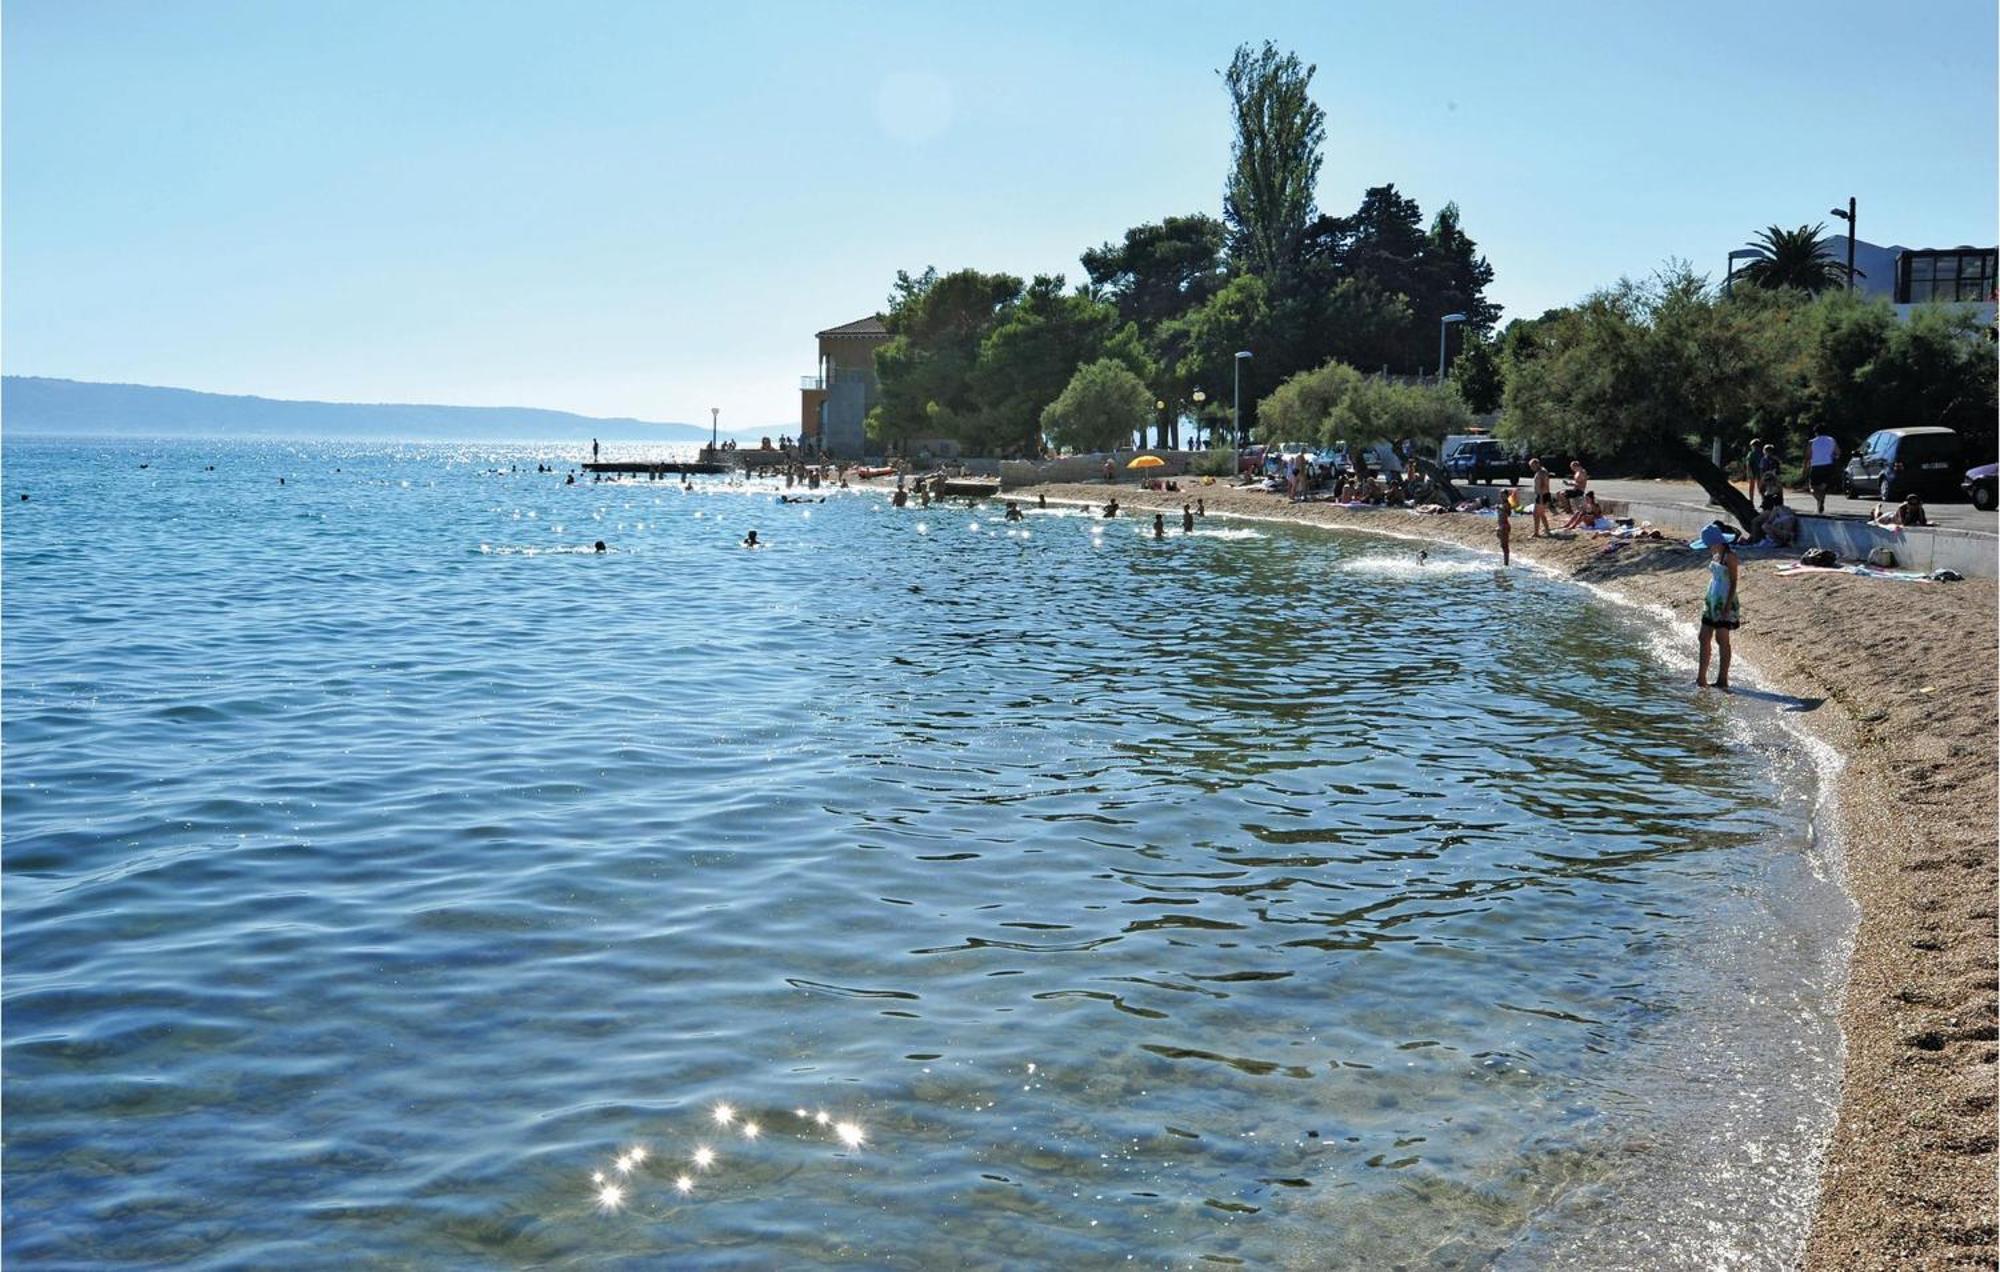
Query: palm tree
{"points": [[1794, 258]]}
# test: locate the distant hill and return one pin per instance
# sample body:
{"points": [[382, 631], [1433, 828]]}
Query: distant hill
{"points": [[76, 408]]}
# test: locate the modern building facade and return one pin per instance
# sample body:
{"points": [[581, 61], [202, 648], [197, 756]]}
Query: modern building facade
{"points": [[834, 403], [1909, 276]]}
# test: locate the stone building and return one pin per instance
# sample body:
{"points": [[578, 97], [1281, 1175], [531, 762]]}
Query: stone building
{"points": [[834, 402]]}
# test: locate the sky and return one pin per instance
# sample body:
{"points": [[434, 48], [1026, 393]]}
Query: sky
{"points": [[649, 208]]}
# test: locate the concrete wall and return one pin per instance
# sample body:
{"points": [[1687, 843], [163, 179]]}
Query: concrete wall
{"points": [[1926, 548], [1027, 472]]}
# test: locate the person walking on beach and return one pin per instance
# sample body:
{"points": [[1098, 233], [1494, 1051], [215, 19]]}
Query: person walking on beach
{"points": [[1753, 467], [1720, 612], [1823, 459], [1505, 530], [1541, 525], [1110, 471]]}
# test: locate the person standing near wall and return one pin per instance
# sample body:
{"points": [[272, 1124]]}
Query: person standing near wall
{"points": [[1822, 462]]}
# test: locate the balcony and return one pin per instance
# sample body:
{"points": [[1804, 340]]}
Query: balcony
{"points": [[808, 383]]}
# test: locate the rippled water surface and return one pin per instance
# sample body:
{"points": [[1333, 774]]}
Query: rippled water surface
{"points": [[381, 863]]}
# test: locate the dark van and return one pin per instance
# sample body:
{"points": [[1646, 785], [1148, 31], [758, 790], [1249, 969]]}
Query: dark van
{"points": [[1892, 462]]}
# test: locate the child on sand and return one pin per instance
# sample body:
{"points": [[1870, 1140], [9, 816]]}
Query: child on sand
{"points": [[1720, 612]]}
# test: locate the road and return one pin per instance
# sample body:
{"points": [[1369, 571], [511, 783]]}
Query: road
{"points": [[1957, 515]]}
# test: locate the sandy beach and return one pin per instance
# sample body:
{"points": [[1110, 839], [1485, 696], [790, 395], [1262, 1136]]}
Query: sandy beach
{"points": [[1900, 679]]}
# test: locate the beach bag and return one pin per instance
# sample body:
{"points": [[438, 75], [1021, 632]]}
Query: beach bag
{"points": [[1818, 556], [1885, 557]]}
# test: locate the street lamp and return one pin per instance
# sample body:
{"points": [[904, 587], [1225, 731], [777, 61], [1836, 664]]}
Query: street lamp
{"points": [[714, 423], [1160, 405], [1443, 324], [1740, 254], [1236, 411], [1848, 216]]}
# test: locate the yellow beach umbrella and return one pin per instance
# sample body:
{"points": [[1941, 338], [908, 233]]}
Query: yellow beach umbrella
{"points": [[1147, 461]]}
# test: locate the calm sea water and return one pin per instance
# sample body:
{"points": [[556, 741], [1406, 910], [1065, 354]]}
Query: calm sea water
{"points": [[381, 864]]}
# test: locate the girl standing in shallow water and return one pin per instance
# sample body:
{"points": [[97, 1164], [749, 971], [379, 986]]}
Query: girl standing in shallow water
{"points": [[1506, 530], [1720, 612]]}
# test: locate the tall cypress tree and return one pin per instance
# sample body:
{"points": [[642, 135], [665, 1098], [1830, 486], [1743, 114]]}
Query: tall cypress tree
{"points": [[1268, 202]]}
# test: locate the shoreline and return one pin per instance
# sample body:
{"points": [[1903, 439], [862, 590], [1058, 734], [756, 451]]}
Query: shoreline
{"points": [[1901, 684]]}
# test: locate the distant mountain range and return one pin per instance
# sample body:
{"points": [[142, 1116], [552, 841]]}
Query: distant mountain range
{"points": [[36, 405]]}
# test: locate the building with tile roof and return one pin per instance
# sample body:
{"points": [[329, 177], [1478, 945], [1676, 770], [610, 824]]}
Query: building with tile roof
{"points": [[834, 402]]}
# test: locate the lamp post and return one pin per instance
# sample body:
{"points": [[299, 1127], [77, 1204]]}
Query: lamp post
{"points": [[1160, 405], [714, 424], [1236, 410], [1740, 254], [1848, 216], [1444, 324]]}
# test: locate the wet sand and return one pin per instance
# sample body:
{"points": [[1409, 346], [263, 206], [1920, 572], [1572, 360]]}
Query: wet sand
{"points": [[1901, 680]]}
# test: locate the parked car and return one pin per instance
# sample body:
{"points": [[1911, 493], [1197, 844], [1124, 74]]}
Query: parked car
{"points": [[1892, 462], [1486, 460], [1250, 460], [1978, 486]]}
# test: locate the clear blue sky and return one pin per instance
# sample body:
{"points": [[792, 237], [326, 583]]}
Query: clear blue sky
{"points": [[648, 208]]}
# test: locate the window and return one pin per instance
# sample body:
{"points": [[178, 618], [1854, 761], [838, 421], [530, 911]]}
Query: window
{"points": [[1951, 277]]}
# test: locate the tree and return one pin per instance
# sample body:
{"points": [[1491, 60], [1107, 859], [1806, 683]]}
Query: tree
{"points": [[1161, 271], [1275, 158], [1456, 275], [1379, 409], [1298, 409], [1645, 369], [1476, 376], [1029, 355], [1794, 258], [1103, 404], [936, 325], [1205, 343]]}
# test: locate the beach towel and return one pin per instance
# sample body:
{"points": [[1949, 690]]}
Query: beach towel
{"points": [[1793, 570]]}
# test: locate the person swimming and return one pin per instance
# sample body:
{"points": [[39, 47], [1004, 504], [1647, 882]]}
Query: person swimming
{"points": [[1041, 500], [1014, 512], [750, 540], [1187, 519], [1159, 525], [600, 546], [1111, 509]]}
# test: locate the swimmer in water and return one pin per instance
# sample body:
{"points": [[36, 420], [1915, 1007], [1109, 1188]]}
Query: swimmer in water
{"points": [[1200, 508], [750, 540], [1159, 525], [1014, 512], [1423, 556], [1187, 519], [570, 480], [1111, 509], [600, 546], [1041, 501]]}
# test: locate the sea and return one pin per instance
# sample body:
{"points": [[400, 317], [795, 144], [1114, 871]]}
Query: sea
{"points": [[393, 879]]}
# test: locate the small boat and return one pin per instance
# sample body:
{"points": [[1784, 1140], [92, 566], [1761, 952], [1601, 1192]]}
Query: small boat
{"points": [[874, 472], [969, 487]]}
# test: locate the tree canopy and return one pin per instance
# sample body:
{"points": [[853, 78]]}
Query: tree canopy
{"points": [[977, 356], [1794, 258], [1103, 405]]}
